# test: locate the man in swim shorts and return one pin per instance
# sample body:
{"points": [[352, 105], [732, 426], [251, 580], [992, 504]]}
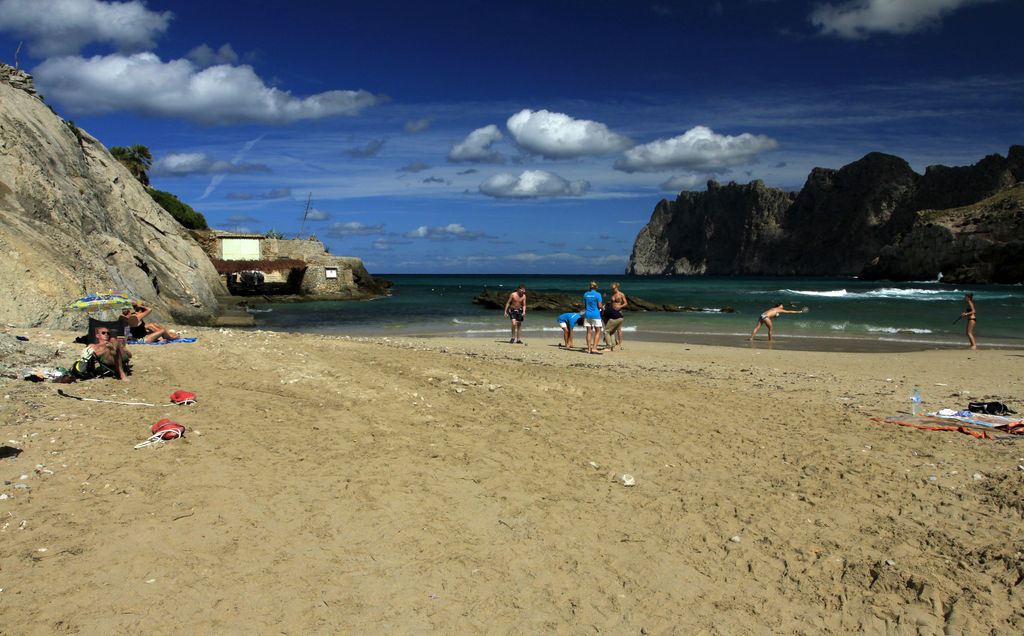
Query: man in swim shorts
{"points": [[766, 318], [515, 308]]}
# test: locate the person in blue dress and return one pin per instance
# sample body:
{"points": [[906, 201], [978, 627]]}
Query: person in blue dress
{"points": [[567, 321], [594, 303]]}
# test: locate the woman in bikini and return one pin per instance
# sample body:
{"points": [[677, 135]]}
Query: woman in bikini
{"points": [[146, 332], [972, 318]]}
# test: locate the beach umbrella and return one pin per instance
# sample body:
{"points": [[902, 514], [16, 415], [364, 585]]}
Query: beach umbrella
{"points": [[105, 300]]}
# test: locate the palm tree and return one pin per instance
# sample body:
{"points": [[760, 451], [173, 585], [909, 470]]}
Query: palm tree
{"points": [[136, 158]]}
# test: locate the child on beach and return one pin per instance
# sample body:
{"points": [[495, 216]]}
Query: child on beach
{"points": [[766, 318]]}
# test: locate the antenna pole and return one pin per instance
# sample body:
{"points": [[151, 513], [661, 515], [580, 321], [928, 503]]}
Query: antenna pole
{"points": [[304, 215]]}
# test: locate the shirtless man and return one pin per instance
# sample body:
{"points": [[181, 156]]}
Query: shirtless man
{"points": [[110, 351], [515, 308], [766, 318]]}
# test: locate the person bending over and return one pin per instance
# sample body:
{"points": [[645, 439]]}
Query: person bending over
{"points": [[567, 321], [766, 318]]}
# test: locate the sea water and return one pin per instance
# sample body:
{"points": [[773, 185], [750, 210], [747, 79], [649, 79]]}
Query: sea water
{"points": [[843, 313]]}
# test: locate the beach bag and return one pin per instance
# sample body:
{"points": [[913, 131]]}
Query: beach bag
{"points": [[84, 368], [183, 397], [990, 408], [166, 429], [162, 431]]}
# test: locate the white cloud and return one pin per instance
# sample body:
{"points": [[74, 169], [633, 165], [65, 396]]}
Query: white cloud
{"points": [[446, 233], [62, 27], [387, 245], [276, 193], [699, 148], [685, 182], [180, 164], [371, 149], [531, 184], [353, 228], [558, 136], [476, 146], [222, 94], [416, 126], [860, 18], [204, 56], [317, 215], [415, 166], [563, 257]]}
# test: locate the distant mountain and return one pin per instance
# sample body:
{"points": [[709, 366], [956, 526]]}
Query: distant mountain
{"points": [[875, 218]]}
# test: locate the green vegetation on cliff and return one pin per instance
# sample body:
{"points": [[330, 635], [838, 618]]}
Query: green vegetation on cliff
{"points": [[180, 211]]}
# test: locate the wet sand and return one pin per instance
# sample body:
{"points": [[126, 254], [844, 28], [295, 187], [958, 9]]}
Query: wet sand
{"points": [[460, 485]]}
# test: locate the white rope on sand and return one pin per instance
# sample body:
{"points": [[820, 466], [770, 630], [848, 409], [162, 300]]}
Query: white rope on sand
{"points": [[85, 399]]}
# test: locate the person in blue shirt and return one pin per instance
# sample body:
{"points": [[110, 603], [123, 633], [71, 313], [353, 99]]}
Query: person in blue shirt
{"points": [[594, 303], [567, 321]]}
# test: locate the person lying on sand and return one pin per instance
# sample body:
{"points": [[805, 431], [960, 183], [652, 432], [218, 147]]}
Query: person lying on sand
{"points": [[141, 330], [766, 318]]}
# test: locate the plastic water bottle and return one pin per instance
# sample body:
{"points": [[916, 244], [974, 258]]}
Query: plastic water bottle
{"points": [[915, 403], [127, 333]]}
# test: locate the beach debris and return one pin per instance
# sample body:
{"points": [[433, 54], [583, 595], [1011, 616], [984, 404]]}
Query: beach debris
{"points": [[593, 464], [979, 476], [736, 539], [628, 480]]}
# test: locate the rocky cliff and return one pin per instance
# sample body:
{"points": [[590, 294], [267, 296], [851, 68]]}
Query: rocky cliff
{"points": [[841, 222], [74, 220], [979, 243]]}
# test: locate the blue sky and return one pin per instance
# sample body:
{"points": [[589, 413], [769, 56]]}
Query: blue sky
{"points": [[514, 137]]}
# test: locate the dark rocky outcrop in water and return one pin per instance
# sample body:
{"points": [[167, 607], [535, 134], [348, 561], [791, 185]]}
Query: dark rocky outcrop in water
{"points": [[851, 221], [553, 301]]}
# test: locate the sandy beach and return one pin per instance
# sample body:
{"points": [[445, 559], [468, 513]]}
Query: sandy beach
{"points": [[336, 485]]}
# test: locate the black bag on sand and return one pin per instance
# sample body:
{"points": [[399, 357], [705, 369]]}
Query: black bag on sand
{"points": [[990, 408]]}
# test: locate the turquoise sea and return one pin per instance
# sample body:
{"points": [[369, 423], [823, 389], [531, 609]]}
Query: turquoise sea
{"points": [[845, 314]]}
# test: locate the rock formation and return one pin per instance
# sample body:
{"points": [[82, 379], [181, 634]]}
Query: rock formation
{"points": [[982, 242], [555, 301], [841, 222], [73, 220]]}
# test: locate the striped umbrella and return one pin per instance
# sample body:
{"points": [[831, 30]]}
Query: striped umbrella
{"points": [[105, 300]]}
